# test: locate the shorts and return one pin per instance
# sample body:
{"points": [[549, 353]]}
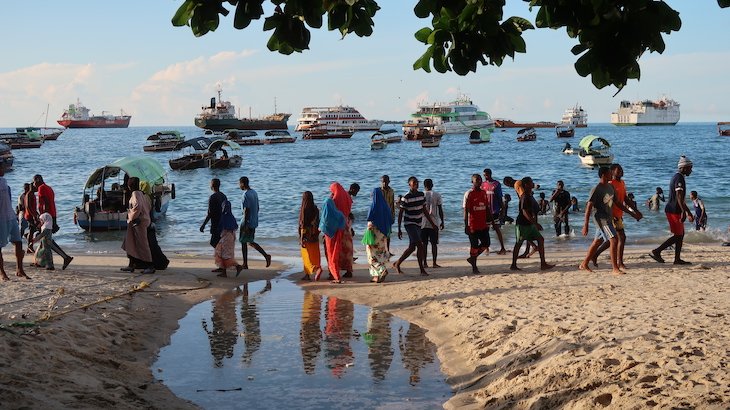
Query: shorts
{"points": [[430, 235], [246, 235], [479, 240], [605, 229], [618, 223], [676, 226], [9, 232], [414, 234], [527, 233]]}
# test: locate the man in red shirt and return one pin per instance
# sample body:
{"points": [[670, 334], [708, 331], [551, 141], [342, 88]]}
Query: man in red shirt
{"points": [[47, 203], [477, 215]]}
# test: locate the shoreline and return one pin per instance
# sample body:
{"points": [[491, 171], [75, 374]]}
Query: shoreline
{"points": [[505, 339]]}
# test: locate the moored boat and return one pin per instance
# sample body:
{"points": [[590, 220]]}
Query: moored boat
{"points": [[324, 134], [221, 115], [6, 156], [16, 140], [595, 150], [421, 129], [107, 210], [723, 129], [223, 161], [455, 117], [46, 133], [196, 157], [575, 116], [279, 137], [565, 130], [77, 116], [526, 134], [663, 111], [505, 123], [377, 141], [430, 142], [243, 137], [479, 136], [335, 118], [163, 141]]}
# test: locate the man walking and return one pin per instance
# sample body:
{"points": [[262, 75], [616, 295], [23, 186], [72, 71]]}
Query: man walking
{"points": [[250, 209], [528, 229], [676, 211], [9, 228], [47, 203], [412, 206], [433, 206], [477, 215], [215, 207], [493, 189], [561, 199]]}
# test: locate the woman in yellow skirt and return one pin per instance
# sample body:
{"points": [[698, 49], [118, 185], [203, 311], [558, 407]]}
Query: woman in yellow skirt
{"points": [[309, 237]]}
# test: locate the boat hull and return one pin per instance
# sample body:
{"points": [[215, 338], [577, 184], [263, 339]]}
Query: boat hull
{"points": [[512, 124], [110, 220], [117, 122], [216, 124]]}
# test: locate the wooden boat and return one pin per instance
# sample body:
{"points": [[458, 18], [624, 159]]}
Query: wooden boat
{"points": [[243, 137], [526, 134], [6, 157], [223, 161], [163, 141], [421, 130], [23, 140], [389, 136], [108, 209], [377, 141], [594, 151], [723, 129], [46, 133], [279, 137], [431, 142], [324, 134], [479, 136], [565, 131], [198, 158]]}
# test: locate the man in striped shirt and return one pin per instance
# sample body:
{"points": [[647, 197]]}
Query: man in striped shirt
{"points": [[411, 215]]}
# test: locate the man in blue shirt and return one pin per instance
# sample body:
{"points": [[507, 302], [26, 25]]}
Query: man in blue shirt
{"points": [[250, 221], [676, 211]]}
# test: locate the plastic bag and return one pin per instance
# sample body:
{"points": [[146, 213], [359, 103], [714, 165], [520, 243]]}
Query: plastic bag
{"points": [[368, 238]]}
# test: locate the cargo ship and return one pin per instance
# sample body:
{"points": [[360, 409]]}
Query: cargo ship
{"points": [[504, 123], [663, 111], [77, 116], [221, 115]]}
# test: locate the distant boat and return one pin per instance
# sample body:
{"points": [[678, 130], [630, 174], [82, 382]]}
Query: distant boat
{"points": [[21, 140], [7, 156], [430, 142], [325, 133], [663, 111], [279, 137], [77, 116], [377, 141], [390, 136], [505, 123], [575, 116], [565, 130], [723, 128], [335, 118], [221, 115], [479, 136], [526, 134], [595, 150], [46, 133], [422, 129], [455, 117], [163, 141]]}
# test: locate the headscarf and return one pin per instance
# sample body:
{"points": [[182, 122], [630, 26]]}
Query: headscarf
{"points": [[332, 219], [684, 162], [46, 221], [228, 221], [379, 213], [342, 199], [308, 212]]}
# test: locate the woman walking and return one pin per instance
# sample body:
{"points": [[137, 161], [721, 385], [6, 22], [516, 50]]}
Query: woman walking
{"points": [[43, 253], [343, 202], [225, 249], [138, 220], [375, 239], [332, 225], [309, 237]]}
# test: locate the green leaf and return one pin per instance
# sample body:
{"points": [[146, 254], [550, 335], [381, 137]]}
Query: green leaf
{"points": [[723, 3], [584, 64], [184, 13], [423, 62], [423, 34], [424, 8], [520, 23]]}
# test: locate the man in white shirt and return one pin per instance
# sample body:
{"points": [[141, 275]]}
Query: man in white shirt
{"points": [[434, 207]]}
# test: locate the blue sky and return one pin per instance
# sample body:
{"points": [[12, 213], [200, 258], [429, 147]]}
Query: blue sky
{"points": [[127, 55]]}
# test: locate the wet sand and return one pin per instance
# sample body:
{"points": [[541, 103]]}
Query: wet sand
{"points": [[657, 336]]}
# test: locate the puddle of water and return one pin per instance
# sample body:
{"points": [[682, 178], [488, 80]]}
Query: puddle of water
{"points": [[272, 345]]}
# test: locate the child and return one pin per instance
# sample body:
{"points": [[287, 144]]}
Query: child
{"points": [[574, 205], [44, 254], [544, 204], [700, 212]]}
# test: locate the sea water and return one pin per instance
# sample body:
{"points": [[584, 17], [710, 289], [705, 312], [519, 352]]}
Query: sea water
{"points": [[281, 172]]}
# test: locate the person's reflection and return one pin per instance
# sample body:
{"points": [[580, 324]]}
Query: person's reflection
{"points": [[310, 336], [250, 322], [416, 351], [337, 333], [378, 340], [224, 335]]}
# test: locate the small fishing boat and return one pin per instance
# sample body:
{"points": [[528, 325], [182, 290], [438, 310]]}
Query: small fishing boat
{"points": [[422, 129], [390, 136], [163, 141], [279, 137], [377, 141], [6, 156], [223, 161], [595, 151], [22, 140], [46, 133], [430, 142], [565, 131], [196, 157], [479, 136], [723, 129], [320, 133], [526, 134], [567, 149], [107, 210], [243, 137]]}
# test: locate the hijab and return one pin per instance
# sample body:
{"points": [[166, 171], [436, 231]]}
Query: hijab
{"points": [[332, 219], [308, 212], [46, 221], [342, 199], [379, 213], [228, 221]]}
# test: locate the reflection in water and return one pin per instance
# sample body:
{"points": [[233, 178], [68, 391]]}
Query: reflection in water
{"points": [[416, 351], [250, 322], [378, 340], [337, 333], [310, 337], [224, 335]]}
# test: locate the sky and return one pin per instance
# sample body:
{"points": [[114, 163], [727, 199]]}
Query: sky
{"points": [[127, 55]]}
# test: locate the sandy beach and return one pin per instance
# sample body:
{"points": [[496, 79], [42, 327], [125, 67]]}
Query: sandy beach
{"points": [[656, 337]]}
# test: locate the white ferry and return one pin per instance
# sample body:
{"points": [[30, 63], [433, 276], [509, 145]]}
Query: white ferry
{"points": [[575, 116], [335, 118], [456, 117], [664, 111]]}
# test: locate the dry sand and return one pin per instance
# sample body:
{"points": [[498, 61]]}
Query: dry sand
{"points": [[656, 337]]}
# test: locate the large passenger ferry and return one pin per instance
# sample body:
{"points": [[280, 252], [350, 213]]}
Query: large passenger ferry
{"points": [[340, 117], [455, 117], [575, 116], [664, 111]]}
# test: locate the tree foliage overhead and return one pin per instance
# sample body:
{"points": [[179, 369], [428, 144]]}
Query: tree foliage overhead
{"points": [[611, 35]]}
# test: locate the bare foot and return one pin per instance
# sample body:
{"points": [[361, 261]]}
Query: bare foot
{"points": [[502, 252], [546, 266], [622, 267], [268, 260], [532, 252], [4, 277], [22, 274], [595, 261], [618, 272], [424, 273], [523, 256], [435, 265], [397, 268], [585, 268], [514, 267]]}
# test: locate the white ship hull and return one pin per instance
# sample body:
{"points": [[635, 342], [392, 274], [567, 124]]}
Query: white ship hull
{"points": [[335, 119], [456, 117], [660, 112]]}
